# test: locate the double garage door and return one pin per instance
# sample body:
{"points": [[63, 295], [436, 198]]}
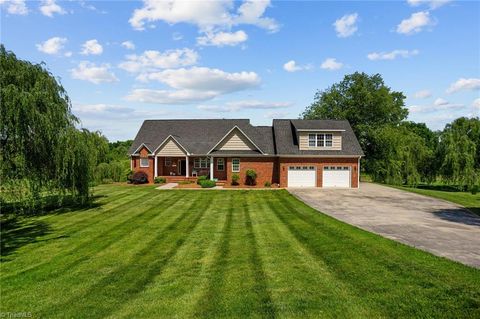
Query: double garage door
{"points": [[306, 176]]}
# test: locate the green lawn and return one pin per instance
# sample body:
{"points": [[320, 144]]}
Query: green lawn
{"points": [[466, 199], [148, 253]]}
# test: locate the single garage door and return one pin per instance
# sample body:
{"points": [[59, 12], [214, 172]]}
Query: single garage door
{"points": [[302, 176], [336, 176]]}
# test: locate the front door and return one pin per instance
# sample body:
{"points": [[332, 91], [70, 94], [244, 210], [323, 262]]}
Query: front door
{"points": [[183, 167]]}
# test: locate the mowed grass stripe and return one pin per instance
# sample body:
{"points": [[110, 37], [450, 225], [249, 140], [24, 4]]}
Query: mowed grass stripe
{"points": [[392, 277], [111, 291], [89, 243], [183, 278], [300, 283]]}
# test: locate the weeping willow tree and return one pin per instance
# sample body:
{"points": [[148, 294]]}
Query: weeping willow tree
{"points": [[42, 154]]}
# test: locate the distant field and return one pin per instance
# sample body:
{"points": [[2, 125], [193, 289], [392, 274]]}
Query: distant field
{"points": [[147, 253]]}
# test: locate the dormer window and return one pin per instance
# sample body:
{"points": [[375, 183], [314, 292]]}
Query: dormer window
{"points": [[320, 140]]}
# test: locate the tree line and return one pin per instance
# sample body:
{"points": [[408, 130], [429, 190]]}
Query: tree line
{"points": [[398, 151], [45, 160]]}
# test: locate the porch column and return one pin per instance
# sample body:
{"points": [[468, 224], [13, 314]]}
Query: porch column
{"points": [[155, 165], [186, 164], [211, 168]]}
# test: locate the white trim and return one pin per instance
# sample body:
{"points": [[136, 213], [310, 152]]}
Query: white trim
{"points": [[165, 140], [187, 171], [239, 163], [236, 127], [358, 173], [319, 130], [155, 165], [211, 168], [143, 144]]}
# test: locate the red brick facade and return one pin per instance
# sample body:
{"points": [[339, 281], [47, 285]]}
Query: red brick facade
{"points": [[319, 163], [271, 169]]}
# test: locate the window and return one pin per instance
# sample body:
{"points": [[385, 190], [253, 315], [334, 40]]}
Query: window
{"points": [[201, 163], [236, 165], [220, 164], [168, 161], [144, 162], [320, 140], [312, 140]]}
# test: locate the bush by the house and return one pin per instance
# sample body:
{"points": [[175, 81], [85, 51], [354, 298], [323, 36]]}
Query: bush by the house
{"points": [[139, 178], [251, 177], [207, 183], [267, 184], [474, 189], [201, 178], [235, 178], [160, 180]]}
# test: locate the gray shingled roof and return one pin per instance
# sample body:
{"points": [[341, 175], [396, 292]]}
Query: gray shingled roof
{"points": [[286, 141], [200, 136]]}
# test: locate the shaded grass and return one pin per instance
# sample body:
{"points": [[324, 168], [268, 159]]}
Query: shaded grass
{"points": [[466, 199], [150, 253]]}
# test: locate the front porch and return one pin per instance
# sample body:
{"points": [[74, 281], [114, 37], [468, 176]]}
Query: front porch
{"points": [[175, 169]]}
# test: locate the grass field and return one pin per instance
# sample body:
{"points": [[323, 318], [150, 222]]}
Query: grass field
{"points": [[466, 199], [147, 253]]}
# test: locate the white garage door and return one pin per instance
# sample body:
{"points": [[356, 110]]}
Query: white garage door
{"points": [[302, 176], [336, 176]]}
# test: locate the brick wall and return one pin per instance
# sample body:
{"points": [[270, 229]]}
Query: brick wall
{"points": [[285, 162], [264, 167], [136, 164]]}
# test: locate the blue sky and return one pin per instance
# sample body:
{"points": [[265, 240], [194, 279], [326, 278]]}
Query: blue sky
{"points": [[122, 62]]}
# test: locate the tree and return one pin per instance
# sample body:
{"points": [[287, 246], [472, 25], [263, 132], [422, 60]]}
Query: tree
{"points": [[364, 100], [458, 152], [42, 151]]}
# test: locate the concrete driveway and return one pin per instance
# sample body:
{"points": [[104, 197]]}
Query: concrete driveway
{"points": [[434, 225]]}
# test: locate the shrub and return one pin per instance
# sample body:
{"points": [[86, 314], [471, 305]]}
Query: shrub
{"points": [[207, 183], [201, 178], [474, 189], [139, 178], [251, 177], [235, 178], [160, 180], [267, 184]]}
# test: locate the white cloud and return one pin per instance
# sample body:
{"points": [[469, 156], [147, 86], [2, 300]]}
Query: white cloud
{"points": [[169, 96], [128, 45], [331, 64], [346, 25], [193, 85], [464, 84], [50, 7], [52, 46], [92, 47], [433, 4], [15, 6], [476, 104], [391, 55], [176, 36], [151, 60], [244, 105], [292, 66], [275, 115], [440, 102], [415, 23], [206, 15], [221, 39], [88, 71], [422, 94]]}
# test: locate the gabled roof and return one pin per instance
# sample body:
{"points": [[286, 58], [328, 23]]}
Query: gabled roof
{"points": [[214, 148], [286, 139], [200, 136]]}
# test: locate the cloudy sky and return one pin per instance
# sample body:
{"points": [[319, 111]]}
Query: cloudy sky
{"points": [[122, 62]]}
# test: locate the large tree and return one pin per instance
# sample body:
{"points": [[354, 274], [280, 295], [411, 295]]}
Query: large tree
{"points": [[42, 151], [364, 100]]}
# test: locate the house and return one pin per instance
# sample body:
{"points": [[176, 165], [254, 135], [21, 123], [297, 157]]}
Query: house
{"points": [[292, 153]]}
